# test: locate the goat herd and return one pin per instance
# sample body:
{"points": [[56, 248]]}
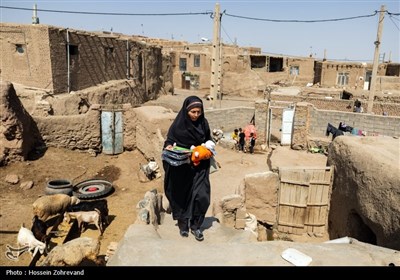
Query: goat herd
{"points": [[86, 212]]}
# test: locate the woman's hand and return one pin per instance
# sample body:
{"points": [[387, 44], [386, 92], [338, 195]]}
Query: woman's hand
{"points": [[169, 147]]}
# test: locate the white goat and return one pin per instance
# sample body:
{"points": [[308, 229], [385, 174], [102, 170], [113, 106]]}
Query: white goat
{"points": [[26, 238], [90, 217], [50, 205]]}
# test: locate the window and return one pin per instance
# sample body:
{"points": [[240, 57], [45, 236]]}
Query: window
{"points": [[109, 61], [196, 61], [19, 48], [342, 79], [182, 64], [140, 70], [73, 50], [258, 61], [368, 76], [109, 51], [275, 64], [294, 70]]}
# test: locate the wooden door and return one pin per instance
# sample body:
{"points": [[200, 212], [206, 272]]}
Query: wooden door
{"points": [[303, 201]]}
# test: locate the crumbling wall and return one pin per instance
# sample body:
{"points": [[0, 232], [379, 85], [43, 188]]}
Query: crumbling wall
{"points": [[167, 75], [18, 131], [75, 132], [301, 125], [261, 196], [365, 201], [261, 120], [146, 68], [151, 124], [113, 93]]}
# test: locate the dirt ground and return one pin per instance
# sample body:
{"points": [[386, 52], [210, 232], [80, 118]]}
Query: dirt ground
{"points": [[122, 171]]}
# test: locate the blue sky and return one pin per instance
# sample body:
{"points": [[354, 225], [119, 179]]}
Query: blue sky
{"points": [[342, 40]]}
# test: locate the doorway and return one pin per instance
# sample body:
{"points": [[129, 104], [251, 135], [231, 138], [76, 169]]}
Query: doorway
{"points": [[287, 126], [112, 132]]}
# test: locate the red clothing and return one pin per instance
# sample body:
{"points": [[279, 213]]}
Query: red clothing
{"points": [[250, 128]]}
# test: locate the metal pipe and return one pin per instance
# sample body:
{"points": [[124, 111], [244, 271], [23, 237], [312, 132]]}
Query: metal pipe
{"points": [[27, 55], [144, 73], [127, 59], [68, 62]]}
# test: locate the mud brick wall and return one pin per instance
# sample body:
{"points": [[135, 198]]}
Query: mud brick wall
{"points": [[31, 65], [76, 132]]}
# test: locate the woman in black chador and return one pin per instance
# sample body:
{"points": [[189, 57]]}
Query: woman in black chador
{"points": [[186, 186]]}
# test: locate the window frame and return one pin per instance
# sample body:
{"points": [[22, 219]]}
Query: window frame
{"points": [[342, 78], [294, 70], [182, 64], [196, 60]]}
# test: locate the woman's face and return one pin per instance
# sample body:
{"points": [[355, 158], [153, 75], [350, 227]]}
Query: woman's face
{"points": [[194, 113]]}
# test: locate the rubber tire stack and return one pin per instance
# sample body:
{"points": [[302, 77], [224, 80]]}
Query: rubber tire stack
{"points": [[59, 186]]}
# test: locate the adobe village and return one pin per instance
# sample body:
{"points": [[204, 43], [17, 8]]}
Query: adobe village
{"points": [[84, 111]]}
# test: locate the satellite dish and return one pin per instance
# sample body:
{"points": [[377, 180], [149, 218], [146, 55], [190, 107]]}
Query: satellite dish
{"points": [[204, 39]]}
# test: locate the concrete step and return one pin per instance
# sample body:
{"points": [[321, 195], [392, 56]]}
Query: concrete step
{"points": [[146, 245]]}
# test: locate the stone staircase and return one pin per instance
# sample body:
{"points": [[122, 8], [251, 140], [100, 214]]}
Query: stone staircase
{"points": [[148, 245]]}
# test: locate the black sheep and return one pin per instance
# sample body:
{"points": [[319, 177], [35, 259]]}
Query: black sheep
{"points": [[335, 132], [39, 229]]}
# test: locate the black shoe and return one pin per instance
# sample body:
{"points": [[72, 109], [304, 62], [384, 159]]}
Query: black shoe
{"points": [[197, 234], [184, 233]]}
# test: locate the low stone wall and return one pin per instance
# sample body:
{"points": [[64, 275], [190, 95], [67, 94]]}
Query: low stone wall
{"points": [[371, 124], [310, 122], [230, 118], [392, 109]]}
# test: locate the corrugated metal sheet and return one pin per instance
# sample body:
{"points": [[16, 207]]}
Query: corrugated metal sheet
{"points": [[112, 132]]}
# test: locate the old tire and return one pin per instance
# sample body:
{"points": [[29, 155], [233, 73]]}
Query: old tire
{"points": [[92, 188], [58, 186]]}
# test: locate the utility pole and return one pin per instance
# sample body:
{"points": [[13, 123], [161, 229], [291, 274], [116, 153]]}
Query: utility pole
{"points": [[215, 59], [376, 61], [219, 91]]}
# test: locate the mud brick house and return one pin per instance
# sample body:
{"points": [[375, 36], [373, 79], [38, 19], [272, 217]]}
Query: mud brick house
{"points": [[356, 75], [244, 69], [64, 60]]}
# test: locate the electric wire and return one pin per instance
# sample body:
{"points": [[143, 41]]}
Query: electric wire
{"points": [[105, 14]]}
